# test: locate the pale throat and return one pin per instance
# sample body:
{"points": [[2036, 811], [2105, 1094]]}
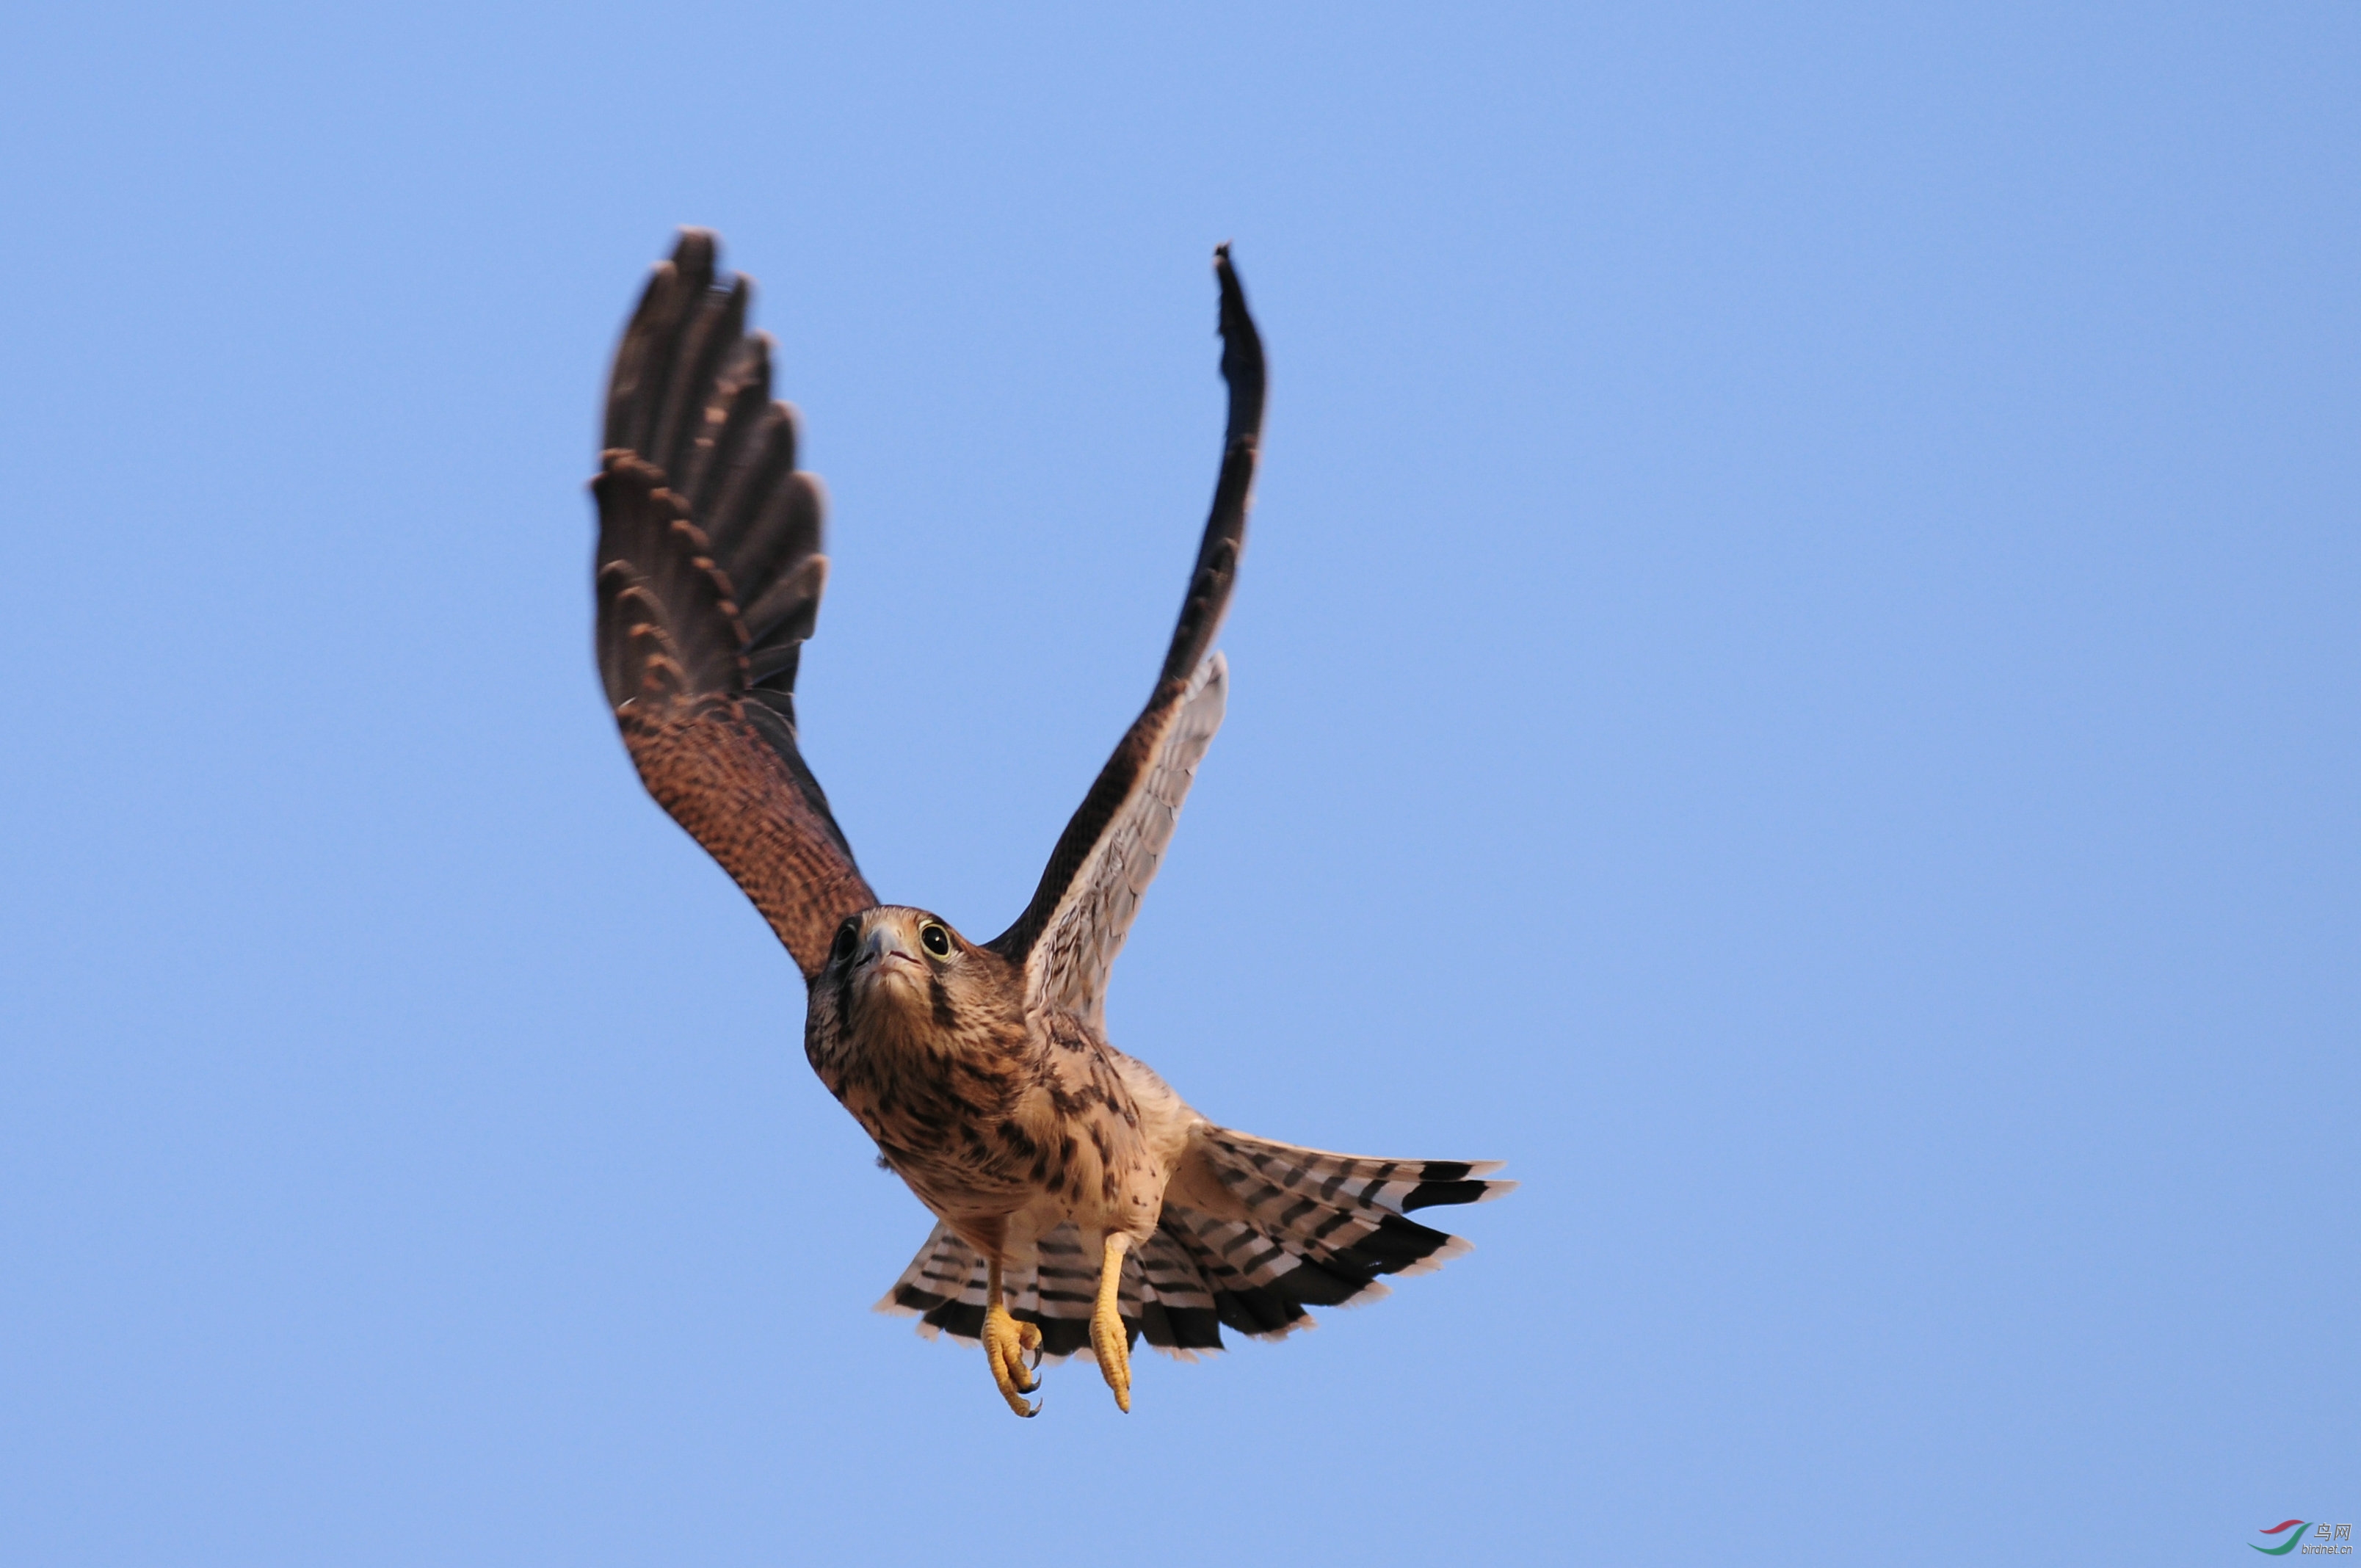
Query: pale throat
{"points": [[895, 1012]]}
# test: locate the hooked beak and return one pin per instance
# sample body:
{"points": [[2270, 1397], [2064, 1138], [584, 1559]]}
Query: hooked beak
{"points": [[882, 953]]}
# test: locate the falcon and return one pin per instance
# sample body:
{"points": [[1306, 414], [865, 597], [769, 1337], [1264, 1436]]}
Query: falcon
{"points": [[1079, 1202]]}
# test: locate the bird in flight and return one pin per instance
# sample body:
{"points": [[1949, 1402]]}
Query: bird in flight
{"points": [[1079, 1202]]}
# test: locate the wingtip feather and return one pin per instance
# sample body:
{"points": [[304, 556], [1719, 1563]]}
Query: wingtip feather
{"points": [[1242, 362]]}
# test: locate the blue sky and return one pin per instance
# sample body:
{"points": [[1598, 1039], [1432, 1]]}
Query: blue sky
{"points": [[1795, 678]]}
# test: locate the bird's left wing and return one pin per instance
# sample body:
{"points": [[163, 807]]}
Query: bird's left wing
{"points": [[1067, 937], [708, 580]]}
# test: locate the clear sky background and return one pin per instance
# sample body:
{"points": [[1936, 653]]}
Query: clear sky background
{"points": [[1795, 678]]}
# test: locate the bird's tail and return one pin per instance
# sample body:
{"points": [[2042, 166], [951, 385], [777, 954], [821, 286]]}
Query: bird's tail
{"points": [[1253, 1233]]}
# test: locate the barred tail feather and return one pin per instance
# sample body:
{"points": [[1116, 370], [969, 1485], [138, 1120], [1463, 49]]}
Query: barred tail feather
{"points": [[1055, 1291], [944, 1283], [1309, 1228], [1295, 1228]]}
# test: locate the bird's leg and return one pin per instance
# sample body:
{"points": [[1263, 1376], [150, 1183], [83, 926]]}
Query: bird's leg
{"points": [[1006, 1342], [1108, 1341]]}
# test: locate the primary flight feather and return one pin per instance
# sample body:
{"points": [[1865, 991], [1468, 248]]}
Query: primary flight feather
{"points": [[1079, 1202]]}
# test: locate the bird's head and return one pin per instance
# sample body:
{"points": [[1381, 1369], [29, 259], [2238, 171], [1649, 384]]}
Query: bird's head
{"points": [[906, 961]]}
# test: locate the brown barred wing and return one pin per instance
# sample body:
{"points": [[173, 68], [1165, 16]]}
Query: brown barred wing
{"points": [[708, 579], [1067, 937]]}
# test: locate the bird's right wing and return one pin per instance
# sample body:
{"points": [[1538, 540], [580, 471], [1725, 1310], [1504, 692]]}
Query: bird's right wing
{"points": [[1067, 937], [709, 577]]}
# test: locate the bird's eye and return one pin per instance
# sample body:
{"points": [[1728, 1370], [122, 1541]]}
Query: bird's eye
{"points": [[935, 940], [847, 936]]}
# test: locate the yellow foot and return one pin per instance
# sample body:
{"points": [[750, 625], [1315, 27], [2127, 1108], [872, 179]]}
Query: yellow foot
{"points": [[1006, 1344], [1108, 1341]]}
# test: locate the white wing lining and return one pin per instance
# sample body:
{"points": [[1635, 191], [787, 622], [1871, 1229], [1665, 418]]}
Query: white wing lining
{"points": [[1069, 965]]}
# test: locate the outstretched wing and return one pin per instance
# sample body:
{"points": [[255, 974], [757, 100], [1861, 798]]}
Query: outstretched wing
{"points": [[708, 578], [1068, 937]]}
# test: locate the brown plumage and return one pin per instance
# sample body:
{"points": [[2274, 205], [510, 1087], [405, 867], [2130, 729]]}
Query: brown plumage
{"points": [[1079, 1200]]}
